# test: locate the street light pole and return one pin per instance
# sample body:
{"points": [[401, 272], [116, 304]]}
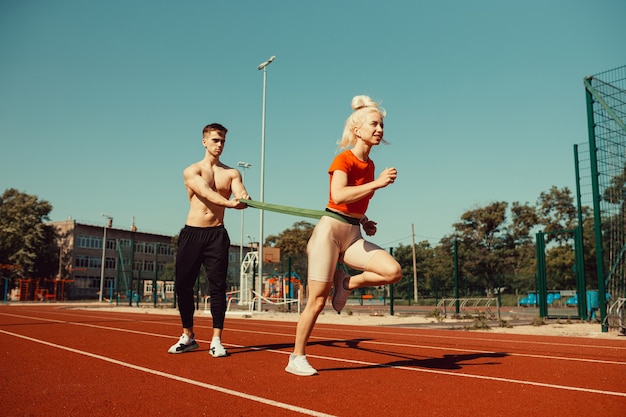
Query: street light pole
{"points": [[262, 66], [108, 224], [243, 166]]}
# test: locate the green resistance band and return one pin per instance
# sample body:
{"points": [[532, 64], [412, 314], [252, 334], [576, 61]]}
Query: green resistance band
{"points": [[294, 211]]}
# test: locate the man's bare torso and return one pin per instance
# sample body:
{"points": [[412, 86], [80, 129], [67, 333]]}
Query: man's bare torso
{"points": [[217, 177]]}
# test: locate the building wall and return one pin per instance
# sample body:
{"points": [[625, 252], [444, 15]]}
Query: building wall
{"points": [[80, 259]]}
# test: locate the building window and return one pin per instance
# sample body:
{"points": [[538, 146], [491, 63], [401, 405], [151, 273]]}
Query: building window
{"points": [[81, 281], [109, 263], [140, 247], [94, 282], [125, 263], [81, 261], [165, 249], [95, 262], [89, 242]]}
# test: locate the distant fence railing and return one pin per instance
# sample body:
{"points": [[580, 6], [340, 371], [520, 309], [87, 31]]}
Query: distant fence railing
{"points": [[469, 306]]}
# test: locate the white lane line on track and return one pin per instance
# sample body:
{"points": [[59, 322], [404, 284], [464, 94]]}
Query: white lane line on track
{"points": [[300, 409], [365, 329], [447, 349], [473, 337], [223, 390], [489, 378], [369, 364], [444, 348], [456, 374], [524, 355]]}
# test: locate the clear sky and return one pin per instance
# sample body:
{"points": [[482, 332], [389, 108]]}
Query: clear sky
{"points": [[102, 103]]}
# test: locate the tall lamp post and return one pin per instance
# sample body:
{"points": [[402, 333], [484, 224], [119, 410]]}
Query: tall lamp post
{"points": [[243, 166], [262, 66], [108, 225]]}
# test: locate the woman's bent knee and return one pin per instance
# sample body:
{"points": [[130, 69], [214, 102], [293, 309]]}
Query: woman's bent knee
{"points": [[386, 267], [392, 272]]}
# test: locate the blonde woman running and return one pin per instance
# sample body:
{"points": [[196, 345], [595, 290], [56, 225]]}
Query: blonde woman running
{"points": [[352, 185]]}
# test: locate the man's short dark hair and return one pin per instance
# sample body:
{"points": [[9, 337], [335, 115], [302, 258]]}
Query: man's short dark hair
{"points": [[214, 126]]}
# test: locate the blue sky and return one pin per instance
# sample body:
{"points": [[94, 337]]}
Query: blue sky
{"points": [[102, 102]]}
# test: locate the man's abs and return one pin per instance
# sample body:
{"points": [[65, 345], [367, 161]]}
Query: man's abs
{"points": [[203, 215]]}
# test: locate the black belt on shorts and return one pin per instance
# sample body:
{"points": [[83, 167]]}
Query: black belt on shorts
{"points": [[352, 220]]}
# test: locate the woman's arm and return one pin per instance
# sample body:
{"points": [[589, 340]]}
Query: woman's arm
{"points": [[342, 193]]}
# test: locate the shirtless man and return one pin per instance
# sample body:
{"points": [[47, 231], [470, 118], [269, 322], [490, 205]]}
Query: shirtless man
{"points": [[204, 240]]}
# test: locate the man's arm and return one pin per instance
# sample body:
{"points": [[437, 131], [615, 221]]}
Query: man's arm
{"points": [[201, 188], [237, 186]]}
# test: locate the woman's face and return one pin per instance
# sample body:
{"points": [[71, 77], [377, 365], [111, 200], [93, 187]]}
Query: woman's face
{"points": [[371, 130]]}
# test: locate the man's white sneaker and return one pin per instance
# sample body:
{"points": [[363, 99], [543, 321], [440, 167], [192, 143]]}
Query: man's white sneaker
{"points": [[298, 365], [217, 350], [184, 344], [340, 294]]}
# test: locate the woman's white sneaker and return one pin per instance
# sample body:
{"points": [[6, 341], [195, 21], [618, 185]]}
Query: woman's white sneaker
{"points": [[298, 365]]}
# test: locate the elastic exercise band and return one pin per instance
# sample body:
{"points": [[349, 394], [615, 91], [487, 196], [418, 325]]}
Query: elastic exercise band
{"points": [[294, 211]]}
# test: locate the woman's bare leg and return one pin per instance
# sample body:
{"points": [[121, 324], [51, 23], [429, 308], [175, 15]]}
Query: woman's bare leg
{"points": [[382, 269], [318, 293]]}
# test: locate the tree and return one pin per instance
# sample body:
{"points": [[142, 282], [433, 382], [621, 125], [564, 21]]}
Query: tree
{"points": [[483, 237], [423, 264], [615, 193], [440, 280], [560, 263], [292, 243], [557, 212], [519, 250], [24, 238], [558, 215]]}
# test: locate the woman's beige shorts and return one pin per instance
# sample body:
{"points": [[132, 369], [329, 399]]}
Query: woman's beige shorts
{"points": [[333, 241]]}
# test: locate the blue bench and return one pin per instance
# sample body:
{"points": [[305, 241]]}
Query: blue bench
{"points": [[530, 300]]}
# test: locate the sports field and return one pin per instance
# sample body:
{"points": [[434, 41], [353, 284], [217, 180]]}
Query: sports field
{"points": [[59, 361]]}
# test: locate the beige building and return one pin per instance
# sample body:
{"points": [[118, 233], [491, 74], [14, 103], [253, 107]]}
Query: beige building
{"points": [[81, 255]]}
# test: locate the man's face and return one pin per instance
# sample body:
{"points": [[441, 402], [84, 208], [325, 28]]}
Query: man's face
{"points": [[214, 142]]}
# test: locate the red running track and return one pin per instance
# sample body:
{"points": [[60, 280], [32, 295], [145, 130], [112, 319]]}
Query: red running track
{"points": [[69, 362]]}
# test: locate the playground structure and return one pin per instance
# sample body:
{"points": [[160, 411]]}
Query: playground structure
{"points": [[277, 289], [275, 286], [247, 275], [30, 289]]}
